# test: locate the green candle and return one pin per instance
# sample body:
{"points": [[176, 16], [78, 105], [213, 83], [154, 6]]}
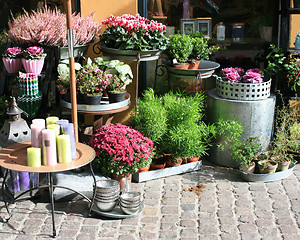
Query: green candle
{"points": [[34, 157], [64, 148], [51, 120], [55, 127]]}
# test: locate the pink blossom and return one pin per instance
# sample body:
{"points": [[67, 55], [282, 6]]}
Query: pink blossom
{"points": [[228, 70], [14, 51], [232, 77]]}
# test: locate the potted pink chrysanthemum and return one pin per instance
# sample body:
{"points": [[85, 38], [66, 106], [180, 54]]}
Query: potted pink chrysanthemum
{"points": [[33, 60], [12, 59]]}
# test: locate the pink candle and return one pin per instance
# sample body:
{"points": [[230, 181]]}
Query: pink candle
{"points": [[49, 147], [39, 121], [36, 135]]}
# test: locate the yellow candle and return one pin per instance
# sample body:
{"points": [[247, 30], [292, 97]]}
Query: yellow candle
{"points": [[51, 120], [64, 148], [55, 127], [34, 158]]}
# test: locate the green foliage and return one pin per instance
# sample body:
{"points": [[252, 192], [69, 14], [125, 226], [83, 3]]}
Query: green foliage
{"points": [[201, 50], [293, 73], [180, 47], [275, 59], [173, 122], [150, 117]]}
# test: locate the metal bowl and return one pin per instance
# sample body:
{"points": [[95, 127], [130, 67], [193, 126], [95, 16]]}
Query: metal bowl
{"points": [[130, 211], [106, 199], [106, 206], [133, 205], [131, 196], [107, 184], [108, 193]]}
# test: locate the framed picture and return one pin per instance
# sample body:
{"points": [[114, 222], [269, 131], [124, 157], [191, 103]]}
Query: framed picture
{"points": [[204, 26], [188, 26]]}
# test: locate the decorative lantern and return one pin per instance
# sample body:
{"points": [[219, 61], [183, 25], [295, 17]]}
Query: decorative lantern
{"points": [[15, 129]]}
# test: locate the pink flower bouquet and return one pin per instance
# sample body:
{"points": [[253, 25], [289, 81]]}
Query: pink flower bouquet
{"points": [[237, 74], [134, 33], [120, 149]]}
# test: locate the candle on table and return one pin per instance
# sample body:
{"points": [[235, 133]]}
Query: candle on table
{"points": [[39, 121], [51, 120], [49, 147], [69, 129], [15, 181], [64, 148], [34, 157], [62, 123], [36, 135], [55, 127], [24, 180]]}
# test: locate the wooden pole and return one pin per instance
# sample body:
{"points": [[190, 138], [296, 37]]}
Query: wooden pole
{"points": [[72, 69]]}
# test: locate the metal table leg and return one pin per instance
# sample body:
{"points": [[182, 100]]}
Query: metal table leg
{"points": [[3, 194], [94, 188], [50, 182]]}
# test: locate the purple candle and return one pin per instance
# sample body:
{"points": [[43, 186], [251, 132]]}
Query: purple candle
{"points": [[69, 129], [62, 123], [49, 147], [36, 135], [15, 181], [24, 180]]}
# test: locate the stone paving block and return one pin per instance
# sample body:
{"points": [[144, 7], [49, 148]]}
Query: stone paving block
{"points": [[187, 207], [209, 229], [209, 237], [290, 237], [108, 232], [68, 233], [168, 234], [188, 223], [189, 232], [150, 211], [228, 236], [247, 227], [86, 236], [188, 215], [284, 229], [145, 235]]}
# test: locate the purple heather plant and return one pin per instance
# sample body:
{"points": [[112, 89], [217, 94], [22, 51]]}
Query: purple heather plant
{"points": [[49, 28]]}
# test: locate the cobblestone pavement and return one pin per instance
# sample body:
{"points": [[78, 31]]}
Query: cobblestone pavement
{"points": [[228, 208]]}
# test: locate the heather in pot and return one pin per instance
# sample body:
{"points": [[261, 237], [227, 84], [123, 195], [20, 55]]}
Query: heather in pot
{"points": [[121, 149]]}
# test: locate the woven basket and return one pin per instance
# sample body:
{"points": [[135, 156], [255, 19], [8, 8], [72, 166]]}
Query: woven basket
{"points": [[243, 91]]}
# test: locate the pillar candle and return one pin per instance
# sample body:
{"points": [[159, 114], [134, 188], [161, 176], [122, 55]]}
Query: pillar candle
{"points": [[15, 181], [64, 148], [51, 120], [49, 147], [36, 135], [55, 127], [34, 158], [24, 180], [62, 122], [39, 121], [69, 129]]}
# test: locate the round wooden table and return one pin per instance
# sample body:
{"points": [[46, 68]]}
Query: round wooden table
{"points": [[14, 157]]}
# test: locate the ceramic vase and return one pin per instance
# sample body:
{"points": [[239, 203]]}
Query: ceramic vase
{"points": [[33, 66], [12, 65]]}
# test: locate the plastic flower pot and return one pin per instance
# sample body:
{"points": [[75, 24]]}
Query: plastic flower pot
{"points": [[33, 66], [13, 65], [284, 165], [114, 97], [267, 166], [92, 99]]}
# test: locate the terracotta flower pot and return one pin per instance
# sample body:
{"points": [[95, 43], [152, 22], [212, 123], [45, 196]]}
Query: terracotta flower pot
{"points": [[194, 65], [144, 169], [181, 65], [33, 66], [248, 168], [284, 165], [192, 159], [267, 166], [120, 179], [156, 166], [12, 65]]}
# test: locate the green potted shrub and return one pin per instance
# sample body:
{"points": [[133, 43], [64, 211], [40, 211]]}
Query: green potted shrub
{"points": [[180, 47], [201, 49]]}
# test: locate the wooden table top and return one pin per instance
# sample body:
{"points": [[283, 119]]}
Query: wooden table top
{"points": [[14, 157]]}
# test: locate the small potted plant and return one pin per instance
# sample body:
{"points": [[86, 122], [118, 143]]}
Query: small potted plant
{"points": [[119, 74], [133, 32], [120, 150], [91, 82], [292, 70], [63, 81], [33, 60], [12, 59], [201, 49], [179, 49]]}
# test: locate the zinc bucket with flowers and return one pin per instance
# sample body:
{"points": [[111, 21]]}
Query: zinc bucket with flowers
{"points": [[236, 83]]}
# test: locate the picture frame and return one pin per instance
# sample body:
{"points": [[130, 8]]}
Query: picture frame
{"points": [[204, 25], [188, 26]]}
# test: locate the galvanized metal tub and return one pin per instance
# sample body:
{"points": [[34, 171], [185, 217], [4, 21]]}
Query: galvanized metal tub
{"points": [[256, 117]]}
